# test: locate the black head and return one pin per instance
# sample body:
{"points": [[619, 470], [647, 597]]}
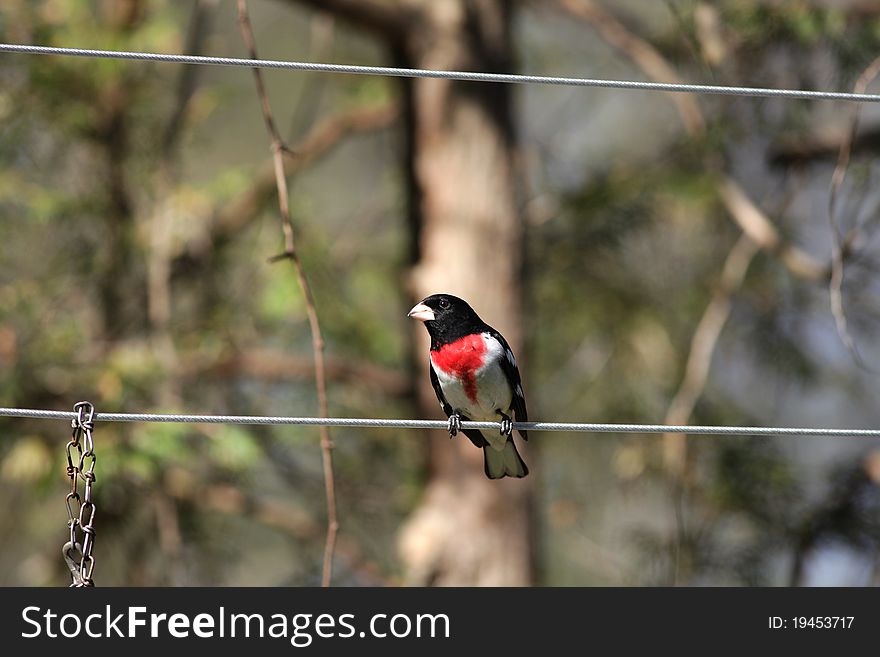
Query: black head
{"points": [[447, 318]]}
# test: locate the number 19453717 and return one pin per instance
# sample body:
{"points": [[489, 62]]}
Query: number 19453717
{"points": [[810, 622]]}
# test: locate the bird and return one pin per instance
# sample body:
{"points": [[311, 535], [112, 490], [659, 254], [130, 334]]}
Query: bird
{"points": [[475, 376]]}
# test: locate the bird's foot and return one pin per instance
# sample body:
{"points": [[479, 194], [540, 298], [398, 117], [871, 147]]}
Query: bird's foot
{"points": [[454, 425], [506, 426]]}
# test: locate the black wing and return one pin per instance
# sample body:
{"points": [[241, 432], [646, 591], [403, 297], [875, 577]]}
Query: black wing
{"points": [[436, 383], [473, 434], [508, 366]]}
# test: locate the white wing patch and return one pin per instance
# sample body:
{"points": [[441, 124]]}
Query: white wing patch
{"points": [[511, 358], [519, 391]]}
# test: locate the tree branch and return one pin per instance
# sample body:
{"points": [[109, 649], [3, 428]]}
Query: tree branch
{"points": [[290, 254], [199, 24], [641, 53], [703, 343], [180, 485], [319, 141], [270, 365], [825, 145], [835, 286], [750, 218], [754, 223], [392, 20]]}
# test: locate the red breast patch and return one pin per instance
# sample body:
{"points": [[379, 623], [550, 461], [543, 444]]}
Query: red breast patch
{"points": [[461, 359]]}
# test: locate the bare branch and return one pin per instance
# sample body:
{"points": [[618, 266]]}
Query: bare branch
{"points": [[315, 327], [750, 218], [826, 144], [758, 233], [709, 37], [703, 345], [199, 24], [835, 287], [755, 223], [845, 152], [392, 20], [641, 53], [180, 485], [234, 215], [271, 365]]}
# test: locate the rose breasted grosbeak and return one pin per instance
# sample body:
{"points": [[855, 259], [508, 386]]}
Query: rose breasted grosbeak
{"points": [[474, 374]]}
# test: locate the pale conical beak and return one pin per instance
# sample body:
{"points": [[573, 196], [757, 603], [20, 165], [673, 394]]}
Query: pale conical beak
{"points": [[421, 312]]}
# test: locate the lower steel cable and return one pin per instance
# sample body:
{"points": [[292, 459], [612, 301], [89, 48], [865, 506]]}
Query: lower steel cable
{"points": [[576, 427]]}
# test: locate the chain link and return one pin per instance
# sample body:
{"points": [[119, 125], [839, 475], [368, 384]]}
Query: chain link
{"points": [[81, 459]]}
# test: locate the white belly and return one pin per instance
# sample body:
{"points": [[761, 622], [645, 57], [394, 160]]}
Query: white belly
{"points": [[493, 393]]}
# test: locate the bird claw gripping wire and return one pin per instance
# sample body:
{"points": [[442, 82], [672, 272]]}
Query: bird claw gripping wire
{"points": [[454, 425], [506, 426]]}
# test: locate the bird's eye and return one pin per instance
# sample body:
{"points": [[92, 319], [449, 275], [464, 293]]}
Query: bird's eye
{"points": [[444, 303]]}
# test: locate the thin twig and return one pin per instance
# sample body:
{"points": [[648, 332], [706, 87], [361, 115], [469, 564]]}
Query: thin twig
{"points": [[835, 287], [757, 225], [290, 253], [703, 343], [651, 62], [293, 520], [642, 53], [235, 214]]}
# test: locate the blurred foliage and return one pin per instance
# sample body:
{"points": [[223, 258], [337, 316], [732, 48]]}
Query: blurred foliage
{"points": [[617, 278]]}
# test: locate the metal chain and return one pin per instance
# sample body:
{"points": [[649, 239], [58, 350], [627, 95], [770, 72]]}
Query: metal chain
{"points": [[80, 520]]}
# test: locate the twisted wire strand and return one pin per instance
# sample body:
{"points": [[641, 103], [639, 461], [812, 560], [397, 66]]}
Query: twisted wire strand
{"points": [[575, 427], [469, 76]]}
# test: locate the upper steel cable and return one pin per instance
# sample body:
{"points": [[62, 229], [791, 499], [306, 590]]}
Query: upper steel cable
{"points": [[470, 76]]}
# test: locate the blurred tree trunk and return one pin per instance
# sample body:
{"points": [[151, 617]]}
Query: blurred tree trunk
{"points": [[119, 259], [468, 530], [467, 240]]}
